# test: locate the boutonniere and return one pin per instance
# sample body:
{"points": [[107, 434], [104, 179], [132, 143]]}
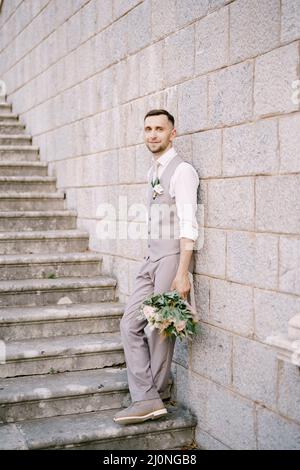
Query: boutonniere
{"points": [[157, 188]]}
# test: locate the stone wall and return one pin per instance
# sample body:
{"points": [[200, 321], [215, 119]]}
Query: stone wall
{"points": [[82, 73]]}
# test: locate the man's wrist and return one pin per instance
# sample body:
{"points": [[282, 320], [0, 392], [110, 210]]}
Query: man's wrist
{"points": [[182, 271]]}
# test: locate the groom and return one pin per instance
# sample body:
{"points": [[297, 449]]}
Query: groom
{"points": [[165, 268]]}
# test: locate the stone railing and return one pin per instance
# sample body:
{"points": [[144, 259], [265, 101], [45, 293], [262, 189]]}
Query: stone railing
{"points": [[288, 345]]}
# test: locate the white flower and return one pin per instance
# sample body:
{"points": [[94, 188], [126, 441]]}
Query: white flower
{"points": [[158, 189], [148, 311]]}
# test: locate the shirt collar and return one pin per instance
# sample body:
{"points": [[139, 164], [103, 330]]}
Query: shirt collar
{"points": [[166, 157]]}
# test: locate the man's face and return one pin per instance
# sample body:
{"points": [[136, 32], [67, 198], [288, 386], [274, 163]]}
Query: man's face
{"points": [[158, 133]]}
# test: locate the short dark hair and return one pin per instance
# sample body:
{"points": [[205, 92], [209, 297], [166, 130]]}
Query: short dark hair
{"points": [[157, 112]]}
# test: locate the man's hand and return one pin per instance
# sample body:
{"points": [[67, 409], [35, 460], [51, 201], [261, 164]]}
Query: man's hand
{"points": [[182, 284]]}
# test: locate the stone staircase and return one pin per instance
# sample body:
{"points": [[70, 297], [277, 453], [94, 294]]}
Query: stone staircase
{"points": [[63, 377]]}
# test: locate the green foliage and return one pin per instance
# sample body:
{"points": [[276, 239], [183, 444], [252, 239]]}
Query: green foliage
{"points": [[51, 276]]}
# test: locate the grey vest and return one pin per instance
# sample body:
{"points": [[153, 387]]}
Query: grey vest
{"points": [[163, 222]]}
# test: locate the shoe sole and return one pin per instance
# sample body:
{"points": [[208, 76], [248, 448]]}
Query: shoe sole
{"points": [[139, 419]]}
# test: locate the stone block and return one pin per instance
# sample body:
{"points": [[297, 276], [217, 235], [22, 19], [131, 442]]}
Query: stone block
{"points": [[207, 442], [192, 105], [151, 68], [111, 44], [183, 146], [133, 121], [273, 310], [211, 42], [207, 156], [121, 7], [143, 161], [127, 79], [211, 354], [137, 207], [88, 19], [254, 371], [179, 56], [139, 23], [73, 31], [190, 10], [230, 95], [98, 169], [290, 20], [165, 10], [289, 267], [192, 391], [252, 259], [289, 137], [278, 204], [126, 165], [251, 149], [181, 353], [289, 391], [210, 259], [275, 73], [231, 203], [166, 99], [230, 418], [254, 28], [120, 271], [275, 432], [231, 306], [85, 60], [104, 13], [202, 296]]}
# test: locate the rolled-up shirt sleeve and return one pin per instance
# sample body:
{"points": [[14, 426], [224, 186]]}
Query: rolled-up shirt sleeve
{"points": [[185, 182]]}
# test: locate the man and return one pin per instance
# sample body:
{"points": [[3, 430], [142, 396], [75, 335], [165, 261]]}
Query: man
{"points": [[165, 268]]}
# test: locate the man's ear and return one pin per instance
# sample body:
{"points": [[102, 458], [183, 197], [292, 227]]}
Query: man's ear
{"points": [[173, 133]]}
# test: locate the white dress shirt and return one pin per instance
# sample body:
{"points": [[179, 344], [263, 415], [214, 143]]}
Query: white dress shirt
{"points": [[183, 185]]}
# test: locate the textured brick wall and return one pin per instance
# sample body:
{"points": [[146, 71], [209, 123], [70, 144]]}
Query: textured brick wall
{"points": [[82, 74]]}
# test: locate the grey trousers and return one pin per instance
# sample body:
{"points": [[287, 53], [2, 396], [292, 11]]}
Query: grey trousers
{"points": [[148, 357]]}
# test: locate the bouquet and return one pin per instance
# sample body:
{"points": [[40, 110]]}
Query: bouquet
{"points": [[170, 314]]}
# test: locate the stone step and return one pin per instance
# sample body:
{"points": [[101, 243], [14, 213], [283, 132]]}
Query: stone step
{"points": [[41, 266], [56, 241], [18, 323], [15, 139], [5, 108], [98, 431], [62, 354], [29, 201], [8, 168], [43, 396], [37, 220], [19, 153], [11, 128], [39, 292], [27, 183], [8, 118]]}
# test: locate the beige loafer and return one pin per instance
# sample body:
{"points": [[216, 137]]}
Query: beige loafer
{"points": [[140, 411]]}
